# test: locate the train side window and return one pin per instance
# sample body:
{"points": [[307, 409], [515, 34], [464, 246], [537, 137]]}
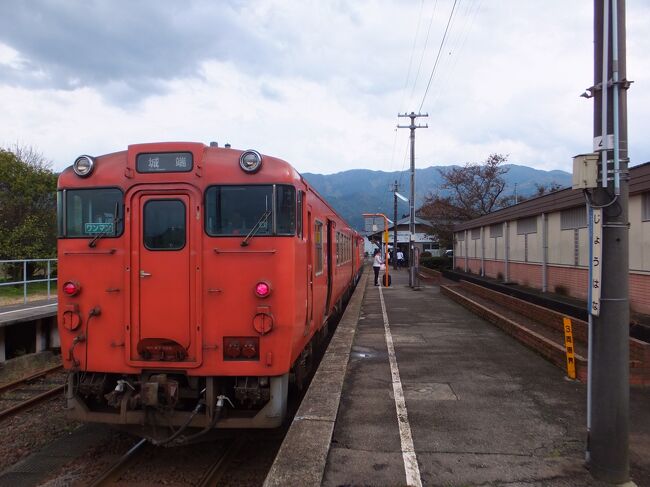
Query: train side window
{"points": [[164, 225], [318, 243]]}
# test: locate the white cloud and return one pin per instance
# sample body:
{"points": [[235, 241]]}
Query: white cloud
{"points": [[320, 83]]}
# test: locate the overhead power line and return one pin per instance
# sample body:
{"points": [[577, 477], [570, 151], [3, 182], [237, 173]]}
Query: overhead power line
{"points": [[442, 42]]}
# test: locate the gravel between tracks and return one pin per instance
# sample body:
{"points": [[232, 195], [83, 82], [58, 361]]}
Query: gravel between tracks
{"points": [[29, 430]]}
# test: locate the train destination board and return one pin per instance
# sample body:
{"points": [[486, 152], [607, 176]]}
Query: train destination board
{"points": [[164, 162]]}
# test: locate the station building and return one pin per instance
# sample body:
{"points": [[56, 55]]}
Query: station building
{"points": [[423, 238], [543, 243]]}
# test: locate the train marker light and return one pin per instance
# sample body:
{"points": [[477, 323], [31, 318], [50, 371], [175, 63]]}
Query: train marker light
{"points": [[71, 288], [231, 348], [241, 348], [249, 348], [262, 289], [83, 166], [250, 161]]}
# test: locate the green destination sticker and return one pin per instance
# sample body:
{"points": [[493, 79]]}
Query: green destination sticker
{"points": [[94, 228]]}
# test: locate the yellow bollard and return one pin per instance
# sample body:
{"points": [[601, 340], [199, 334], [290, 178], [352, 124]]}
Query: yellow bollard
{"points": [[570, 352]]}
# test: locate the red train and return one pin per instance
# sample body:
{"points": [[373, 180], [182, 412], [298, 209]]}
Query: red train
{"points": [[195, 283]]}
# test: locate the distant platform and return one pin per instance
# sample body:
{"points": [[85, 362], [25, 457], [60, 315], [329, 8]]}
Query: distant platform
{"points": [[34, 310]]}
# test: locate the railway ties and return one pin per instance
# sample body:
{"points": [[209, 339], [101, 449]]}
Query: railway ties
{"points": [[29, 391], [140, 463]]}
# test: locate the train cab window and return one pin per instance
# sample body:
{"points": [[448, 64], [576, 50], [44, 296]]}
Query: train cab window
{"points": [[164, 225], [235, 210], [299, 214], [286, 210], [87, 213]]}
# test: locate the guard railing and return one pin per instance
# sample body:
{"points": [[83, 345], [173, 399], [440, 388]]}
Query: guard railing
{"points": [[47, 269]]}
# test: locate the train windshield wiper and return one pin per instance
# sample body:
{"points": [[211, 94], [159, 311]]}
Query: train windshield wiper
{"points": [[265, 216], [116, 220]]}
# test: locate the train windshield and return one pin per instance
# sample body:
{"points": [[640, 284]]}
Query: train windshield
{"points": [[88, 213], [235, 210]]}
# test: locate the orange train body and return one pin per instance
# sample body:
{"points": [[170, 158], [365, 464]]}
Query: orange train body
{"points": [[165, 306]]}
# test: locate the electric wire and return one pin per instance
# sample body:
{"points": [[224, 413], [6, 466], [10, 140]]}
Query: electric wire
{"points": [[470, 17], [435, 64], [424, 50]]}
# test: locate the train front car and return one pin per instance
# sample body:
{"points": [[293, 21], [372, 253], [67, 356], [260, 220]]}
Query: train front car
{"points": [[186, 294]]}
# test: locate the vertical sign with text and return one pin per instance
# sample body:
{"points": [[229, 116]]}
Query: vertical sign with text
{"points": [[596, 251]]}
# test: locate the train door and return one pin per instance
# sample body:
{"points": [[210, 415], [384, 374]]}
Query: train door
{"points": [[309, 319], [330, 267], [163, 278]]}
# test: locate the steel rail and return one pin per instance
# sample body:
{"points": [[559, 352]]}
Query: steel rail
{"points": [[215, 472], [30, 402], [36, 375], [111, 474]]}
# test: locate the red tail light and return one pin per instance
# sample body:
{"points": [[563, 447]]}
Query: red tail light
{"points": [[241, 348], [262, 289], [71, 288]]}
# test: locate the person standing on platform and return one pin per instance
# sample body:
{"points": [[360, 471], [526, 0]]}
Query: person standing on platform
{"points": [[376, 265], [400, 258]]}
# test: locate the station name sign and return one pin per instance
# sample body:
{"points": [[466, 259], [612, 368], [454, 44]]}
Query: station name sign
{"points": [[164, 162]]}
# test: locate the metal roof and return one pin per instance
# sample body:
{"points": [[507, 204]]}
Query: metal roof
{"points": [[556, 201]]}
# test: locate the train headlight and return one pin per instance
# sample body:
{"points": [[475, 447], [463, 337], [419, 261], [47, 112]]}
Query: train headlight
{"points": [[250, 161], [83, 166], [262, 289]]}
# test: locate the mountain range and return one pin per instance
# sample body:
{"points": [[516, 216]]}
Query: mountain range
{"points": [[358, 191]]}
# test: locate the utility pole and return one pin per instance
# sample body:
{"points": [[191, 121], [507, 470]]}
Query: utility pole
{"points": [[608, 444], [395, 225], [412, 126]]}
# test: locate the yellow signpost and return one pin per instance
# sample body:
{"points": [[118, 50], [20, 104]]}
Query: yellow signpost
{"points": [[570, 351]]}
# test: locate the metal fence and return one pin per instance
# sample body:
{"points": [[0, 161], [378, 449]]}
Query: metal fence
{"points": [[47, 269]]}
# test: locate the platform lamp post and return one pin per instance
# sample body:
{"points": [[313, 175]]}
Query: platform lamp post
{"points": [[371, 217]]}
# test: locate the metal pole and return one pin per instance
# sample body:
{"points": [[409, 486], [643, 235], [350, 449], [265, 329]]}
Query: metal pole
{"points": [[412, 127], [48, 279], [24, 281], [412, 206], [395, 226], [608, 442]]}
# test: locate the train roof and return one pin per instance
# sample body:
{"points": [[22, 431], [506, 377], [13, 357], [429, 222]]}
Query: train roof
{"points": [[204, 166]]}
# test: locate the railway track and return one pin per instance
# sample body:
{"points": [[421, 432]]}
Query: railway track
{"points": [[142, 455], [29, 391]]}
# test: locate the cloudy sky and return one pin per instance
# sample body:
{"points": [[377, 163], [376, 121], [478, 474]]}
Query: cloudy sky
{"points": [[318, 83]]}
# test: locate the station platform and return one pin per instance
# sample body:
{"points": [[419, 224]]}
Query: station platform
{"points": [[33, 310], [417, 390], [42, 333]]}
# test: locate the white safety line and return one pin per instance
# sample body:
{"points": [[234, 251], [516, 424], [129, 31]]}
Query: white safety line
{"points": [[27, 309], [408, 451]]}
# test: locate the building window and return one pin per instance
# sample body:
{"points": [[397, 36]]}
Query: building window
{"points": [[573, 218], [496, 230], [460, 236], [645, 207], [476, 233], [527, 225]]}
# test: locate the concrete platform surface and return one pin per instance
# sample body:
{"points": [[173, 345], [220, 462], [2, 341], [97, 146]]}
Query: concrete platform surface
{"points": [[477, 407], [34, 310]]}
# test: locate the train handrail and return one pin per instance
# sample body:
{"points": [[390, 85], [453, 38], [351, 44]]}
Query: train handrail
{"points": [[25, 282]]}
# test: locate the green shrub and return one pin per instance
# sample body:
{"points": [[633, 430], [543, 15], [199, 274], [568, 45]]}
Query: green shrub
{"points": [[437, 263]]}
